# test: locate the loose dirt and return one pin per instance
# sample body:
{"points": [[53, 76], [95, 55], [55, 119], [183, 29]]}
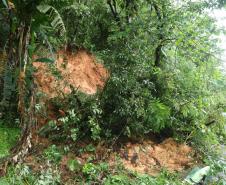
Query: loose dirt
{"points": [[78, 71], [147, 157], [72, 70], [150, 157]]}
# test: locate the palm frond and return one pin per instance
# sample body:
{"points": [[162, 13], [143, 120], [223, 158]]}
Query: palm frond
{"points": [[56, 20]]}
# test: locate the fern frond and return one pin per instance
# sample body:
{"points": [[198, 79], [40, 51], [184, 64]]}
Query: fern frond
{"points": [[56, 20]]}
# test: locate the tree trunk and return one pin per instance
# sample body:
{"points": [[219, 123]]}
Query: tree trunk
{"points": [[158, 50], [27, 112]]}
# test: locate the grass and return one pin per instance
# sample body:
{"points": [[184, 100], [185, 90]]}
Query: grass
{"points": [[8, 137]]}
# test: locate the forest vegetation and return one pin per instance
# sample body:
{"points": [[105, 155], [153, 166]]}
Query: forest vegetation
{"points": [[85, 85]]}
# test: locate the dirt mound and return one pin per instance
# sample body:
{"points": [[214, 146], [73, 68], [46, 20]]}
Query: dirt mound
{"points": [[146, 157], [79, 70], [149, 157]]}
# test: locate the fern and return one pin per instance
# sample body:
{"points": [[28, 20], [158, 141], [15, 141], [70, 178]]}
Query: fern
{"points": [[56, 20]]}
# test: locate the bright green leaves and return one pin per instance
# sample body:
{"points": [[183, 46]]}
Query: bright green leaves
{"points": [[92, 171], [95, 128], [158, 116], [53, 154]]}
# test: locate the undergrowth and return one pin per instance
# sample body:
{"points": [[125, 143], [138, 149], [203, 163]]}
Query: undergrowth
{"points": [[8, 138], [87, 174]]}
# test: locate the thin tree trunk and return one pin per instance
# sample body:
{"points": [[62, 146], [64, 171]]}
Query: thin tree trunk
{"points": [[158, 50]]}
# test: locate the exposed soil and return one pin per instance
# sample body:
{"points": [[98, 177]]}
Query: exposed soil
{"points": [[147, 157], [150, 157], [71, 71], [79, 70]]}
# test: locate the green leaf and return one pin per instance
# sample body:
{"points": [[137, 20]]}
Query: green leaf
{"points": [[197, 174], [45, 60], [44, 8], [73, 165], [5, 3]]}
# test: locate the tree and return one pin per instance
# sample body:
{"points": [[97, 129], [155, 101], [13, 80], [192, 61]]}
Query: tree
{"points": [[25, 21]]}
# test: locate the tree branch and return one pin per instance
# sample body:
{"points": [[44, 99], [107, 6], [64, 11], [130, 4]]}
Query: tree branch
{"points": [[158, 50], [113, 6]]}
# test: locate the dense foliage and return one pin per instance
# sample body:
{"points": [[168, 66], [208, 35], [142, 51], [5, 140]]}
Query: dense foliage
{"points": [[163, 67], [164, 71], [162, 56]]}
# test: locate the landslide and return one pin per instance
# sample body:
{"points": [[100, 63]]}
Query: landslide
{"points": [[82, 72], [78, 70], [144, 157]]}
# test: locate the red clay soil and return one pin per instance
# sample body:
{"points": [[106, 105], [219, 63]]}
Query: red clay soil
{"points": [[150, 157], [79, 70], [147, 157]]}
